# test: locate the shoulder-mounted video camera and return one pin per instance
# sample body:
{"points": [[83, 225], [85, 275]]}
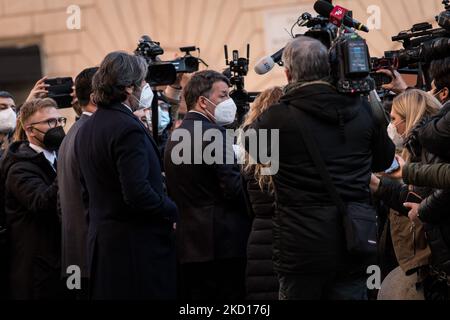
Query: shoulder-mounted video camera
{"points": [[349, 53], [421, 45], [350, 64], [162, 73]]}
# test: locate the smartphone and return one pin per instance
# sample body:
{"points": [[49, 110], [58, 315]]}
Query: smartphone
{"points": [[413, 198], [60, 90], [394, 167]]}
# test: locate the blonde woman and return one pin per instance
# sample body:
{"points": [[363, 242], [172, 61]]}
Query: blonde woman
{"points": [[410, 111], [262, 283]]}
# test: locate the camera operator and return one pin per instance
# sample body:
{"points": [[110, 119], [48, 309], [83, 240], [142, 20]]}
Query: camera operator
{"points": [[131, 249], [310, 260]]}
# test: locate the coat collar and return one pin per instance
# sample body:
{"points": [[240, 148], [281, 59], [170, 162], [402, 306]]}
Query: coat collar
{"points": [[119, 107], [196, 116]]}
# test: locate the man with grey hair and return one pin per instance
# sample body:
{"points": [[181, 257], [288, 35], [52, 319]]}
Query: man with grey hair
{"points": [[310, 252], [131, 252]]}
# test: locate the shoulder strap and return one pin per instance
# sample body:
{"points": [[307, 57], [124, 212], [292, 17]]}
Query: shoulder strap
{"points": [[317, 159]]}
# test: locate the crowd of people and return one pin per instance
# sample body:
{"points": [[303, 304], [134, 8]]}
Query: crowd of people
{"points": [[107, 202]]}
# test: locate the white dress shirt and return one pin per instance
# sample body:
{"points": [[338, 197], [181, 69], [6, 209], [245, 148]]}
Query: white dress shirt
{"points": [[50, 156], [128, 107]]}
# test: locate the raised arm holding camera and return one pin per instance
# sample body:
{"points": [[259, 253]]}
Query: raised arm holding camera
{"points": [[311, 265]]}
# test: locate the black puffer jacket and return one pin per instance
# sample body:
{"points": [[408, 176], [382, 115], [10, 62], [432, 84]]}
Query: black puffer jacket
{"points": [[262, 283], [34, 235], [308, 232]]}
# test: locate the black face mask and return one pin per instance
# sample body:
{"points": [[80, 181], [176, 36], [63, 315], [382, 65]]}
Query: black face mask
{"points": [[53, 138]]}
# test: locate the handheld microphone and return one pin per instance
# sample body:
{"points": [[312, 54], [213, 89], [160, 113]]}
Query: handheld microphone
{"points": [[326, 9], [267, 63]]}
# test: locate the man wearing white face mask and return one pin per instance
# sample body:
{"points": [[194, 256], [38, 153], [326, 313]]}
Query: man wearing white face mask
{"points": [[214, 224], [7, 119], [131, 249]]}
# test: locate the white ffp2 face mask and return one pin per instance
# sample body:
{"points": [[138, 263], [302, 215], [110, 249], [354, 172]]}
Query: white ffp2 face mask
{"points": [[225, 112], [8, 120], [397, 138], [147, 96]]}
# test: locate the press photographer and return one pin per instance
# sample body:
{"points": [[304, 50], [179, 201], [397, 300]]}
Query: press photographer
{"points": [[329, 145]]}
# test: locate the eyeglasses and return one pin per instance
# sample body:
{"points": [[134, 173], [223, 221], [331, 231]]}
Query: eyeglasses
{"points": [[52, 123]]}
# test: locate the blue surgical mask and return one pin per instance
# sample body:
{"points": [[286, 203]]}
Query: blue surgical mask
{"points": [[164, 119]]}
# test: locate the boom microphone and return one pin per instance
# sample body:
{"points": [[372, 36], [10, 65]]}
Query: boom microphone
{"points": [[267, 63]]}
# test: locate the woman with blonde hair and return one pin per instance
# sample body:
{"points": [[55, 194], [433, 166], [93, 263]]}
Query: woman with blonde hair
{"points": [[410, 111], [262, 283], [263, 102]]}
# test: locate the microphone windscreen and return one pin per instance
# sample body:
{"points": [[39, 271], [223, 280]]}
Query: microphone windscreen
{"points": [[323, 8], [264, 65]]}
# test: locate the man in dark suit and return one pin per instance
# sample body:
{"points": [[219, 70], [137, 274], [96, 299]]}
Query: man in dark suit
{"points": [[214, 225], [131, 251], [73, 212]]}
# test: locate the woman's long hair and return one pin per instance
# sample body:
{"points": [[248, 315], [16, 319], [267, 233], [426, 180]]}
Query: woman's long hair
{"points": [[263, 102], [413, 106]]}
